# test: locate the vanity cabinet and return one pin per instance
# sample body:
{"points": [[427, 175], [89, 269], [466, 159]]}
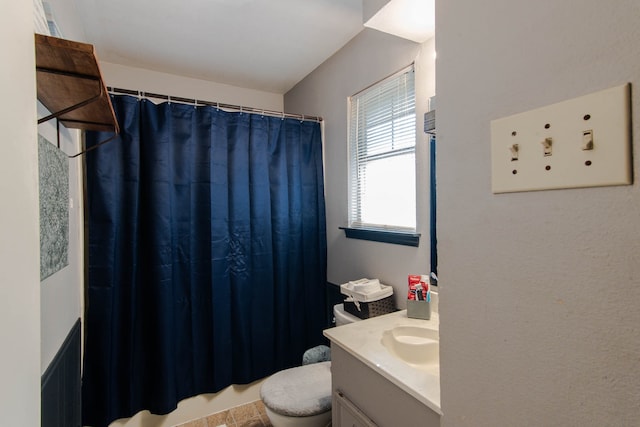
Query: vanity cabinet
{"points": [[364, 398], [347, 414]]}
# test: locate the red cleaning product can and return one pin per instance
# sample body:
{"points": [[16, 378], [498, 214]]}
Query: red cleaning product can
{"points": [[414, 287]]}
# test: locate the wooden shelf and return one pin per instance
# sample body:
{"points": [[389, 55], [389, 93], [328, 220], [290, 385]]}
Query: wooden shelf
{"points": [[70, 85]]}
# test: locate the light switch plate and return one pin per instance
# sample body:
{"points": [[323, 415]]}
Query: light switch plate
{"points": [[548, 148]]}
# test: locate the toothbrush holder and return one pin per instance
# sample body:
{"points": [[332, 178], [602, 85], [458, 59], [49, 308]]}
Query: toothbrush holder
{"points": [[419, 309]]}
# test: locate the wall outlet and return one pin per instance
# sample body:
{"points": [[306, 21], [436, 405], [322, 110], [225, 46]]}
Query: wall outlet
{"points": [[582, 142]]}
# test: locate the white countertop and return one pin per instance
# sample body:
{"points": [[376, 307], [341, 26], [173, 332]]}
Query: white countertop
{"points": [[363, 340]]}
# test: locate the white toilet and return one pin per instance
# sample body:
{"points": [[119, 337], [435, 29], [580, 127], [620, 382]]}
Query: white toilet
{"points": [[342, 317], [301, 396]]}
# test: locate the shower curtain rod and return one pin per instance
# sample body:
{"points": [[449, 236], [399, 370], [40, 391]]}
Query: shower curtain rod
{"points": [[226, 107]]}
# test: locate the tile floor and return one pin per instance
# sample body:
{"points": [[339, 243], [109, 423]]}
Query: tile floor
{"points": [[250, 415]]}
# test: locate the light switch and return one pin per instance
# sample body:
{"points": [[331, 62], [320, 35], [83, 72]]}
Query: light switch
{"points": [[587, 140], [546, 143], [514, 152], [582, 142]]}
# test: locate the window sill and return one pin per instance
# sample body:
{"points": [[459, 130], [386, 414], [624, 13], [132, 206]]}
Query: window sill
{"points": [[384, 236]]}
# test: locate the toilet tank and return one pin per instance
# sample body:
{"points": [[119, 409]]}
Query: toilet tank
{"points": [[342, 317]]}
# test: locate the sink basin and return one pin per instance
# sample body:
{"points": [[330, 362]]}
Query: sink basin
{"points": [[414, 345]]}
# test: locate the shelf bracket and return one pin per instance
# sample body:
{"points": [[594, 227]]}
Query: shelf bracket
{"points": [[111, 138], [75, 106], [80, 104]]}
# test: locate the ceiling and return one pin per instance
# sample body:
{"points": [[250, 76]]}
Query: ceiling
{"points": [[267, 45]]}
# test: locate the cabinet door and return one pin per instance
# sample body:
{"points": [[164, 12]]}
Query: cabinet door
{"points": [[348, 414]]}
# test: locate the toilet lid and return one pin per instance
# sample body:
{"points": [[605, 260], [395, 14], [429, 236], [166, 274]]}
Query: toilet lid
{"points": [[299, 392]]}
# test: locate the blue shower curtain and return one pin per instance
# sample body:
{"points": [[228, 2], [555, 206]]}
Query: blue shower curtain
{"points": [[207, 254]]}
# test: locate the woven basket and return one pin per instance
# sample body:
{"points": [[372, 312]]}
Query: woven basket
{"points": [[372, 308]]}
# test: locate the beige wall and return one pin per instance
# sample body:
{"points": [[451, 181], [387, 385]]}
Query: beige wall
{"points": [[539, 291], [19, 244], [367, 58], [124, 77]]}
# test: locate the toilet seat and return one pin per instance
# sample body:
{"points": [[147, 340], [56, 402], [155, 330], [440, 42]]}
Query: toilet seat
{"points": [[303, 391]]}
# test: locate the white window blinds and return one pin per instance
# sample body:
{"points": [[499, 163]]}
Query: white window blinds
{"points": [[382, 139]]}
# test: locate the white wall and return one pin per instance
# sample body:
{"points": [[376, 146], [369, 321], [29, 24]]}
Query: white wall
{"points": [[369, 57], [371, 7], [67, 16], [61, 293], [124, 77], [539, 295], [19, 227]]}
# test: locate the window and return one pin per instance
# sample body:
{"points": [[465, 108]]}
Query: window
{"points": [[382, 139]]}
